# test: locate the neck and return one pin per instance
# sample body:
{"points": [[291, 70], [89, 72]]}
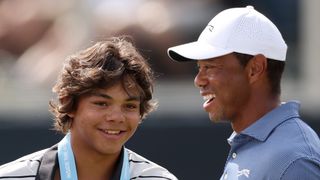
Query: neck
{"points": [[94, 166], [254, 110]]}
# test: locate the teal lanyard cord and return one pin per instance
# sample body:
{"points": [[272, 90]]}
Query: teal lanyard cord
{"points": [[68, 170], [125, 170]]}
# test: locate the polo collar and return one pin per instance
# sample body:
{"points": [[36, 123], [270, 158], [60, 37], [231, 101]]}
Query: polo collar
{"points": [[263, 127]]}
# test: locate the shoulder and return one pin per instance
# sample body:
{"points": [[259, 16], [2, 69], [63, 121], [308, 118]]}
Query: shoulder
{"points": [[298, 154], [306, 142], [141, 167], [302, 168], [23, 167]]}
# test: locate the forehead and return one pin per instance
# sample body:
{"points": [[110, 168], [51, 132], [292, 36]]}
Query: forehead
{"points": [[210, 61], [125, 82], [116, 91]]}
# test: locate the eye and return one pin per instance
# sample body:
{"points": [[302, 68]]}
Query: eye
{"points": [[132, 106], [208, 67], [102, 104], [204, 67]]}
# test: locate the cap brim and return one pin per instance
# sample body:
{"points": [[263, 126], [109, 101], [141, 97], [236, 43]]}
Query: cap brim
{"points": [[195, 51]]}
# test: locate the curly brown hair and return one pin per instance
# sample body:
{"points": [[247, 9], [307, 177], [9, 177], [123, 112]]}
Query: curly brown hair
{"points": [[101, 66]]}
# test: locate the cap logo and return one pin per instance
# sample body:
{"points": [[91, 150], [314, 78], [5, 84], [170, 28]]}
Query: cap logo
{"points": [[210, 27]]}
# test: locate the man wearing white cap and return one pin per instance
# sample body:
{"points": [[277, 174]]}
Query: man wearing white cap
{"points": [[241, 57]]}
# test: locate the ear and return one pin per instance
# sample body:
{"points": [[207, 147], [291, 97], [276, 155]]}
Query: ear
{"points": [[71, 114], [68, 100], [257, 68]]}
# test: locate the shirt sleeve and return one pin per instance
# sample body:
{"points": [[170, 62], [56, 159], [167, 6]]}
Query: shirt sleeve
{"points": [[302, 169]]}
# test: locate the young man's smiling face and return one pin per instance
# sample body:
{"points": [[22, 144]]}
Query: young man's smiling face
{"points": [[105, 119], [224, 85]]}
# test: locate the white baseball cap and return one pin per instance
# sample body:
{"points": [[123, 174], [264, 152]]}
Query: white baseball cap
{"points": [[242, 30]]}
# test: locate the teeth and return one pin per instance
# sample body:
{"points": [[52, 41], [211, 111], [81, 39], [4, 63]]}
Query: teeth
{"points": [[209, 96], [113, 132]]}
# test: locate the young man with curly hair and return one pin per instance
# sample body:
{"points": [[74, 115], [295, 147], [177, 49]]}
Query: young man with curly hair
{"points": [[103, 93]]}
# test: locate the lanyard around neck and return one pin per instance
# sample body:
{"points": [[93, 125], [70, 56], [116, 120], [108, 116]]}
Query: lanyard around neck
{"points": [[68, 170]]}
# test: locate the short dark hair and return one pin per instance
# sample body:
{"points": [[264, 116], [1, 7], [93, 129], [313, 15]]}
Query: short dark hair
{"points": [[99, 66], [275, 70]]}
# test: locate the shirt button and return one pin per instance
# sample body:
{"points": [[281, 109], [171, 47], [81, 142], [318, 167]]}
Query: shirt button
{"points": [[234, 155]]}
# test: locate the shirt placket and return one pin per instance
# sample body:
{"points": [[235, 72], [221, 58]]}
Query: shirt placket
{"points": [[235, 145]]}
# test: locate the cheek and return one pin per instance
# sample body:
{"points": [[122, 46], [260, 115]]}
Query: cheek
{"points": [[211, 76], [239, 90], [231, 88], [133, 119], [87, 118], [241, 82], [80, 123]]}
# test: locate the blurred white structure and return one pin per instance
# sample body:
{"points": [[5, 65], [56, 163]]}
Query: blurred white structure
{"points": [[80, 22]]}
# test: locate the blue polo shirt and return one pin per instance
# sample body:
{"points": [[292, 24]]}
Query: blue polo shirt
{"points": [[277, 146]]}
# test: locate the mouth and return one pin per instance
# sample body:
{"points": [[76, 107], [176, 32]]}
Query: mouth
{"points": [[111, 132], [209, 98]]}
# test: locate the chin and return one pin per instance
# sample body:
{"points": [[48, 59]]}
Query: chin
{"points": [[111, 149], [216, 118]]}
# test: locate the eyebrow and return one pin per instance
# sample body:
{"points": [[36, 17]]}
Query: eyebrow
{"points": [[106, 96]]}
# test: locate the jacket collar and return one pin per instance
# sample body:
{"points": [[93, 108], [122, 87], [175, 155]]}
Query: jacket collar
{"points": [[49, 164]]}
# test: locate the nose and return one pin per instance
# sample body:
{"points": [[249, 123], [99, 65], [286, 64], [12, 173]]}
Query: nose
{"points": [[115, 114], [200, 81]]}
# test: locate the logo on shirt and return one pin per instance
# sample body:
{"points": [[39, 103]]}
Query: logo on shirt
{"points": [[244, 172], [210, 27], [232, 172]]}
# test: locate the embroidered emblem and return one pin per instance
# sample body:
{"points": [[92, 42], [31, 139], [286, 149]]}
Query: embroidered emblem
{"points": [[232, 172], [245, 172], [210, 27]]}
